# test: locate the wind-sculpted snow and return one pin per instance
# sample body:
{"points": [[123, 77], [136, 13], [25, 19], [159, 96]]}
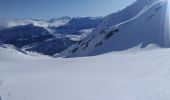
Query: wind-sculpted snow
{"points": [[138, 25]]}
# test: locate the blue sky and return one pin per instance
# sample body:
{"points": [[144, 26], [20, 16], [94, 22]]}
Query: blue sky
{"points": [[44, 9]]}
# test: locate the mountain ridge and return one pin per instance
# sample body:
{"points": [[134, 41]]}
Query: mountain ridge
{"points": [[143, 24]]}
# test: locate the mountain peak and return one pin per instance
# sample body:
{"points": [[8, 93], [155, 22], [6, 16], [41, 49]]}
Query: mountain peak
{"points": [[138, 25]]}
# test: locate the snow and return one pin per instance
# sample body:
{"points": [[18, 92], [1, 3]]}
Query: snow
{"points": [[83, 34], [144, 22], [137, 75], [131, 65], [33, 34], [40, 23]]}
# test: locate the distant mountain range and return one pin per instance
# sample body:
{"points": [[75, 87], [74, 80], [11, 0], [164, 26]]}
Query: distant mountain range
{"points": [[143, 23], [46, 36]]}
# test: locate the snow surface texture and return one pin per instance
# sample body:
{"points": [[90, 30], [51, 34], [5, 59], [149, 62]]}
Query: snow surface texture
{"points": [[143, 75], [144, 22]]}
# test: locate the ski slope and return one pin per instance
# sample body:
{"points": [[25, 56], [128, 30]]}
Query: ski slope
{"points": [[137, 75]]}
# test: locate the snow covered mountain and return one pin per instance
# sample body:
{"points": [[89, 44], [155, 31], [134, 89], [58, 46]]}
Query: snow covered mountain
{"points": [[125, 75], [140, 24], [75, 25], [24, 35], [54, 22], [56, 34], [142, 76]]}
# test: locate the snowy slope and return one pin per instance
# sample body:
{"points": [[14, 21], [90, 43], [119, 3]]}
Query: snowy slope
{"points": [[81, 36], [141, 24], [133, 74], [142, 76]]}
